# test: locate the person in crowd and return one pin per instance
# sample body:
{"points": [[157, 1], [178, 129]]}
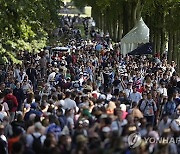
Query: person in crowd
{"points": [[149, 109], [87, 100], [135, 96], [3, 141], [12, 102], [19, 94]]}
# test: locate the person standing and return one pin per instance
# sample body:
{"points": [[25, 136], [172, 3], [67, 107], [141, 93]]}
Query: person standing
{"points": [[135, 96], [12, 102], [18, 92], [42, 63], [32, 75], [149, 108]]}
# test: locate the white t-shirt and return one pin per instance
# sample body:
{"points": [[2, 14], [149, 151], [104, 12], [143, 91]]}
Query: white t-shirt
{"points": [[108, 97], [51, 77], [69, 104], [5, 106], [128, 92], [163, 91]]}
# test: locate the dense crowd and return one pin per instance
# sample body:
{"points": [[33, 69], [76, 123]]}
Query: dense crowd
{"points": [[89, 100]]}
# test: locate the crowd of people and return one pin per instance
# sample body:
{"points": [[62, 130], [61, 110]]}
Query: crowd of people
{"points": [[88, 101]]}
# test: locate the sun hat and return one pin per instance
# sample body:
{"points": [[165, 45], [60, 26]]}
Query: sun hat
{"points": [[81, 139]]}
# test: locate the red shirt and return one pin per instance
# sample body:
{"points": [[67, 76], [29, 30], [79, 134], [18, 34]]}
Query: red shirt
{"points": [[14, 100], [11, 141]]}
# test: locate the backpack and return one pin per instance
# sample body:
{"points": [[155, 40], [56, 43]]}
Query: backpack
{"points": [[37, 145], [10, 104], [168, 108], [147, 105], [63, 122]]}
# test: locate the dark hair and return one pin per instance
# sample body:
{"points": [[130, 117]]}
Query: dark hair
{"points": [[60, 96], [17, 147], [55, 97], [37, 98], [1, 95], [8, 91], [68, 94]]}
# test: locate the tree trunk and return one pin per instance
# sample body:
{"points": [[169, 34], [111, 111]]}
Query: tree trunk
{"points": [[155, 42], [170, 46], [158, 43], [119, 28], [163, 37], [126, 18], [114, 30], [175, 47]]}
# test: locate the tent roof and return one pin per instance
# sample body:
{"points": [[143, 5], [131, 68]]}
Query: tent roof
{"points": [[143, 49], [139, 34]]}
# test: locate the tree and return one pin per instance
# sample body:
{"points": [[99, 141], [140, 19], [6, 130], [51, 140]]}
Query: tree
{"points": [[26, 25]]}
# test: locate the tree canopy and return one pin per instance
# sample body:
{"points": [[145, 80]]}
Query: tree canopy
{"points": [[26, 25]]}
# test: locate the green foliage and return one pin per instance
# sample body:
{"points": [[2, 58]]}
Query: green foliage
{"points": [[26, 24]]}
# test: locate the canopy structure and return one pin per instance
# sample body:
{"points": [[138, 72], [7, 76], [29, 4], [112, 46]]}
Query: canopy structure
{"points": [[142, 50], [138, 35]]}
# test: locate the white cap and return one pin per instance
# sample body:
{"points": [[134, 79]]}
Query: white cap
{"points": [[123, 107]]}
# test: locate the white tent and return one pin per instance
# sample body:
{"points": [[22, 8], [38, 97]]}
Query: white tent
{"points": [[138, 35]]}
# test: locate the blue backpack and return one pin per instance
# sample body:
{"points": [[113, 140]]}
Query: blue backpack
{"points": [[170, 108]]}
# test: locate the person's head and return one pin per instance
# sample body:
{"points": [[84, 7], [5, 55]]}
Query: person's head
{"points": [[175, 94], [134, 104], [149, 96], [30, 97], [2, 86], [134, 89], [59, 111], [50, 140], [165, 118], [119, 114], [144, 95], [68, 94], [65, 140], [19, 117], [154, 93], [52, 119], [38, 126], [37, 98], [81, 141], [163, 85], [8, 91], [54, 97], [18, 85], [129, 85]]}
